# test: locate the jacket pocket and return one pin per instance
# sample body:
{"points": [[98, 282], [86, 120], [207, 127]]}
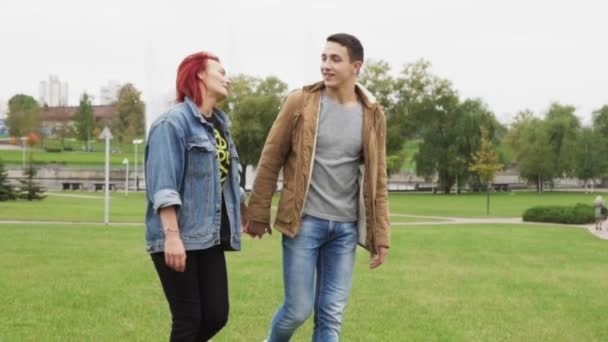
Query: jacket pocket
{"points": [[201, 158]]}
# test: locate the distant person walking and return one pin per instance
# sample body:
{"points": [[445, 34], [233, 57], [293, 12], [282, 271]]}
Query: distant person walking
{"points": [[600, 212]]}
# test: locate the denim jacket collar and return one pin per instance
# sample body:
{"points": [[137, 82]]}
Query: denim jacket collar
{"points": [[221, 116]]}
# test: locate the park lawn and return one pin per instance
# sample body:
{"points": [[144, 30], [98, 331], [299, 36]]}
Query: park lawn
{"points": [[457, 283], [502, 204], [83, 207]]}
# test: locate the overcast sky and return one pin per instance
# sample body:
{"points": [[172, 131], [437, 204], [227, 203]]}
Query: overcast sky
{"points": [[513, 54]]}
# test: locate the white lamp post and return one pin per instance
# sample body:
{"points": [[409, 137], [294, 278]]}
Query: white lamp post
{"points": [[126, 162], [136, 142]]}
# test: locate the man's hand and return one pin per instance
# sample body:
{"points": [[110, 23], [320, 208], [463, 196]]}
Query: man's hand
{"points": [[379, 258], [258, 229]]}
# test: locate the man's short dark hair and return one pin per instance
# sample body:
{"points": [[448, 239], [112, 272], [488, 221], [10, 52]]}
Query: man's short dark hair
{"points": [[351, 43]]}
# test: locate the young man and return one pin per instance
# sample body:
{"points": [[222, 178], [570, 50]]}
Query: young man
{"points": [[329, 138]]}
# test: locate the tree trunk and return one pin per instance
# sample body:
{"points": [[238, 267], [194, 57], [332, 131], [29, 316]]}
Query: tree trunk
{"points": [[488, 199]]}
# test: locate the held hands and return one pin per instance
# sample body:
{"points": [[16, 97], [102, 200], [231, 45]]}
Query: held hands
{"points": [[258, 229], [253, 229]]}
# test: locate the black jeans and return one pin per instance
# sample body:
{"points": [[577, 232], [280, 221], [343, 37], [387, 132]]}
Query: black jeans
{"points": [[198, 297]]}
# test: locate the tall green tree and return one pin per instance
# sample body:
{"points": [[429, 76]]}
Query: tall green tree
{"points": [[600, 121], [253, 115], [377, 79], [23, 115], [485, 163], [591, 155], [530, 143], [563, 129], [432, 111], [84, 120], [129, 120], [29, 188], [7, 191], [241, 86]]}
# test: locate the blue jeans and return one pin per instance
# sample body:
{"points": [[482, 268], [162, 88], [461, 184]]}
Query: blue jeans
{"points": [[328, 248]]}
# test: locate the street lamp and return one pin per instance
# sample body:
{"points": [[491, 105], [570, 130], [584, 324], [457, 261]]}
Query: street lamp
{"points": [[126, 162], [136, 142], [23, 139]]}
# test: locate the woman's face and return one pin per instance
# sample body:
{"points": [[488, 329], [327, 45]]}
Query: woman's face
{"points": [[216, 82]]}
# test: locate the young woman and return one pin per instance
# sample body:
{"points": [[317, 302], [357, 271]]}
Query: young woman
{"points": [[194, 200]]}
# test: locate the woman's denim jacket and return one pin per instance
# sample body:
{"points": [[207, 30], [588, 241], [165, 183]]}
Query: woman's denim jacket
{"points": [[182, 171]]}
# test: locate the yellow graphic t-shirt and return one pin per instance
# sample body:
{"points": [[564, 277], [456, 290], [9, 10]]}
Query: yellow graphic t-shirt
{"points": [[223, 153]]}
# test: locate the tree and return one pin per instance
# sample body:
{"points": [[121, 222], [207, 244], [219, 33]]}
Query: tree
{"points": [[485, 163], [431, 112], [129, 121], [7, 192], [253, 115], [377, 79], [590, 157], [474, 113], [84, 120], [63, 131], [563, 128], [529, 140], [29, 189], [241, 86], [23, 115], [600, 120]]}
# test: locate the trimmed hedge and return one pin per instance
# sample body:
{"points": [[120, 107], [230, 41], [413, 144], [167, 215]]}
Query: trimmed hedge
{"points": [[578, 214]]}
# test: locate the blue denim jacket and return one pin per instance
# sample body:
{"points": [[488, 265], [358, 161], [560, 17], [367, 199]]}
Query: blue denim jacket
{"points": [[182, 171]]}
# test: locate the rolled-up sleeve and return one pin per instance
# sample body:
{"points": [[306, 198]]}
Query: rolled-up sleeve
{"points": [[165, 164]]}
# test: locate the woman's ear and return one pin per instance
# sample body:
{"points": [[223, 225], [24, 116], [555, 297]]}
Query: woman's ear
{"points": [[200, 75]]}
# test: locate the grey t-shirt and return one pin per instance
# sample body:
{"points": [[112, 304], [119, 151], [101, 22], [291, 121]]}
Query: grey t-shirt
{"points": [[334, 189]]}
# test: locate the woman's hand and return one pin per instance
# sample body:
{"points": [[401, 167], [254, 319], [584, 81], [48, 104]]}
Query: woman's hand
{"points": [[175, 254]]}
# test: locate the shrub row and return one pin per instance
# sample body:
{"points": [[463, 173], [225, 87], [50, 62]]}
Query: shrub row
{"points": [[577, 214]]}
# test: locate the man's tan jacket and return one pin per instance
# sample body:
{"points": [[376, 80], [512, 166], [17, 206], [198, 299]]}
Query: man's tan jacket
{"points": [[290, 145]]}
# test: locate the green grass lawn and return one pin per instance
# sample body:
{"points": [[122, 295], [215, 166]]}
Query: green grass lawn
{"points": [[456, 283], [88, 208]]}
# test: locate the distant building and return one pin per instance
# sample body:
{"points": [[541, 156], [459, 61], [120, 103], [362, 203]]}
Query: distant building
{"points": [[53, 92], [56, 116], [109, 93]]}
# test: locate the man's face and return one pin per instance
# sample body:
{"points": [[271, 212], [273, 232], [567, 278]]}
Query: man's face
{"points": [[336, 66]]}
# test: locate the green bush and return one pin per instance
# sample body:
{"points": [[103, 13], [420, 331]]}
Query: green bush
{"points": [[52, 149], [578, 214]]}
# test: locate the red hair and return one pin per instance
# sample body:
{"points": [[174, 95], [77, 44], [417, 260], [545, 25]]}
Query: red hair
{"points": [[187, 76]]}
